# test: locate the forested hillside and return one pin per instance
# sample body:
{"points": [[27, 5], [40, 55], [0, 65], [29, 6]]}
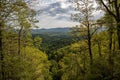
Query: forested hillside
{"points": [[54, 38], [89, 50]]}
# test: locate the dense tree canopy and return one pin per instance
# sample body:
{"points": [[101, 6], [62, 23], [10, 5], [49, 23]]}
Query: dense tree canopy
{"points": [[89, 51]]}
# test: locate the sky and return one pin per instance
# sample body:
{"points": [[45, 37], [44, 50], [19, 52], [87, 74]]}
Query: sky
{"points": [[55, 13]]}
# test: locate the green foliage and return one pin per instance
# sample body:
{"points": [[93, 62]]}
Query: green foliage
{"points": [[21, 57], [37, 41], [74, 60], [53, 39], [36, 64], [31, 64]]}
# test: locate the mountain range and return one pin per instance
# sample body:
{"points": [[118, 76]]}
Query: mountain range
{"points": [[51, 31]]}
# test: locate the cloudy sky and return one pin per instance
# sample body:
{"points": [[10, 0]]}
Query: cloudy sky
{"points": [[54, 13]]}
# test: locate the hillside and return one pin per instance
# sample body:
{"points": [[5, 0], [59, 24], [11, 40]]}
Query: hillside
{"points": [[51, 31], [54, 38]]}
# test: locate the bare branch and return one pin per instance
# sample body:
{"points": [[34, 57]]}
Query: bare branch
{"points": [[111, 13]]}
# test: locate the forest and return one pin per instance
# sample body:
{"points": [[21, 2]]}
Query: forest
{"points": [[89, 50]]}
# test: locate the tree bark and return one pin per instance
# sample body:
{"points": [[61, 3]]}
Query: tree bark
{"points": [[99, 48], [118, 33], [89, 45], [19, 40], [1, 55], [90, 52], [110, 40]]}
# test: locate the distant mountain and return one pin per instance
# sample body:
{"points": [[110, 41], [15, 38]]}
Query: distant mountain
{"points": [[54, 38], [55, 31]]}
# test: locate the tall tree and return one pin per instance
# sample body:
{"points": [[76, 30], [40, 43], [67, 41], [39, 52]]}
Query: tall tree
{"points": [[114, 12], [85, 9], [4, 14], [14, 13]]}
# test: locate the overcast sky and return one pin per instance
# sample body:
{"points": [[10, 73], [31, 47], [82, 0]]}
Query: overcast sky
{"points": [[54, 13]]}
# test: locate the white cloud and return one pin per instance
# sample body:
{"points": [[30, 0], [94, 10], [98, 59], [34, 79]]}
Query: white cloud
{"points": [[37, 4], [51, 22], [65, 5], [58, 16]]}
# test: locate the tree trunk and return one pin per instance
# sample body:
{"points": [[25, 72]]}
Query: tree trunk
{"points": [[110, 39], [118, 33], [1, 55], [19, 40], [99, 48], [90, 52], [110, 61], [89, 45], [114, 43]]}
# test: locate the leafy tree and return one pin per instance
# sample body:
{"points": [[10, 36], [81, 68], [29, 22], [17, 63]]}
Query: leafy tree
{"points": [[39, 63], [113, 8], [15, 15], [37, 42], [85, 8]]}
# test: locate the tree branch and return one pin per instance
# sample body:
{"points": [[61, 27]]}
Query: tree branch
{"points": [[111, 13]]}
